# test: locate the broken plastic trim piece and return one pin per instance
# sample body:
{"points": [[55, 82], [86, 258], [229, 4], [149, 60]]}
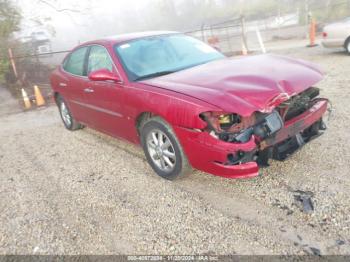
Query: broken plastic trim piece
{"points": [[303, 200], [284, 149]]}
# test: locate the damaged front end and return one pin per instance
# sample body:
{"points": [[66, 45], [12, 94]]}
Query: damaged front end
{"points": [[288, 124]]}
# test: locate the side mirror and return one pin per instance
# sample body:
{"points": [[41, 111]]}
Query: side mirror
{"points": [[103, 75]]}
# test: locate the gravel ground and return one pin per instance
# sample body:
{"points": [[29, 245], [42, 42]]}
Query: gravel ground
{"points": [[86, 193]]}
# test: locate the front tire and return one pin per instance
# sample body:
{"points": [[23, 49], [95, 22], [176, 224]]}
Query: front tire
{"points": [[68, 120], [163, 150]]}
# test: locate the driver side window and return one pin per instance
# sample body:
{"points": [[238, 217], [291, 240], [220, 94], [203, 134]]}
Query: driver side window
{"points": [[99, 59]]}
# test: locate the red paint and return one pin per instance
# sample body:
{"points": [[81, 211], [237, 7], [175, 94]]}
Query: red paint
{"points": [[104, 75], [241, 85]]}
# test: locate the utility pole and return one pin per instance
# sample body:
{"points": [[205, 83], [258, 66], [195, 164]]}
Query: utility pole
{"points": [[242, 21], [307, 17], [241, 7], [307, 10], [279, 18]]}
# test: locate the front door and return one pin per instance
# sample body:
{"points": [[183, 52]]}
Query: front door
{"points": [[104, 99]]}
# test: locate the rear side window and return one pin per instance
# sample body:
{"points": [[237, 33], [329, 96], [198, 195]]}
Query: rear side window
{"points": [[75, 62], [99, 59]]}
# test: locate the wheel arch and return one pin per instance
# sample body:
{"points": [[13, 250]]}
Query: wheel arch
{"points": [[174, 117], [182, 165], [56, 95], [142, 118]]}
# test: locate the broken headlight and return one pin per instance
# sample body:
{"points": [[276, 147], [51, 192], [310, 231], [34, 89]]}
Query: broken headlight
{"points": [[236, 129], [221, 122], [229, 127], [228, 120]]}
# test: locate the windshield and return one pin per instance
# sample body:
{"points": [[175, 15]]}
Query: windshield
{"points": [[160, 55]]}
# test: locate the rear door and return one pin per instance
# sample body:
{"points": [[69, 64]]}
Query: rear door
{"points": [[105, 98], [73, 83]]}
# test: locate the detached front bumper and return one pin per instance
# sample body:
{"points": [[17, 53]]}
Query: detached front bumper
{"points": [[233, 160]]}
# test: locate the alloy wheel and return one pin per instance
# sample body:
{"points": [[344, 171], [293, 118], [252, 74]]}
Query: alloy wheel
{"points": [[161, 150], [67, 119]]}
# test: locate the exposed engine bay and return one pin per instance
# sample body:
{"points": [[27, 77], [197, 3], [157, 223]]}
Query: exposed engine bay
{"points": [[235, 129], [298, 104], [232, 128]]}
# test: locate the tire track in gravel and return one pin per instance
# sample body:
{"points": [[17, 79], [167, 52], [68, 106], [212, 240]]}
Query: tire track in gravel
{"points": [[254, 212], [190, 189], [36, 189], [249, 210], [303, 237], [251, 216], [137, 206], [42, 183]]}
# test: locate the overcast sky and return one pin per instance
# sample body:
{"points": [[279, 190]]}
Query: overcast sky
{"points": [[74, 21], [72, 27]]}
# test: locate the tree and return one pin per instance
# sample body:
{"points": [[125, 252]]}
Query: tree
{"points": [[9, 23], [9, 19]]}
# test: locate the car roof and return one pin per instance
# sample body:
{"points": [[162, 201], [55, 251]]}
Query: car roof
{"points": [[128, 37]]}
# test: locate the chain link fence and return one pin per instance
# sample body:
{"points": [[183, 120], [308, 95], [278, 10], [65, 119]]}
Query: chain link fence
{"points": [[28, 70], [284, 23]]}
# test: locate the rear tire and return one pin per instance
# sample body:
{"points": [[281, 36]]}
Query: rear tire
{"points": [[163, 150], [68, 120]]}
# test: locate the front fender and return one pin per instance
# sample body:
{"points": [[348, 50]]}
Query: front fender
{"points": [[177, 109]]}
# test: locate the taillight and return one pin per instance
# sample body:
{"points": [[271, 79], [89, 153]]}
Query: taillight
{"points": [[324, 34]]}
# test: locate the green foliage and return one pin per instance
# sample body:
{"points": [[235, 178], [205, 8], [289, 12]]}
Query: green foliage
{"points": [[4, 67], [9, 18], [9, 23]]}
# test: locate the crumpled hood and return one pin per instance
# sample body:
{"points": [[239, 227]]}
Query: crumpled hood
{"points": [[243, 85]]}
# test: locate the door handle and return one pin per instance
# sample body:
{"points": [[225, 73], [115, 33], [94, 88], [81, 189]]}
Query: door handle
{"points": [[88, 90], [62, 84]]}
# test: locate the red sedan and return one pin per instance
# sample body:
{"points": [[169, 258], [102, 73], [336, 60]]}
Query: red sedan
{"points": [[188, 105]]}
